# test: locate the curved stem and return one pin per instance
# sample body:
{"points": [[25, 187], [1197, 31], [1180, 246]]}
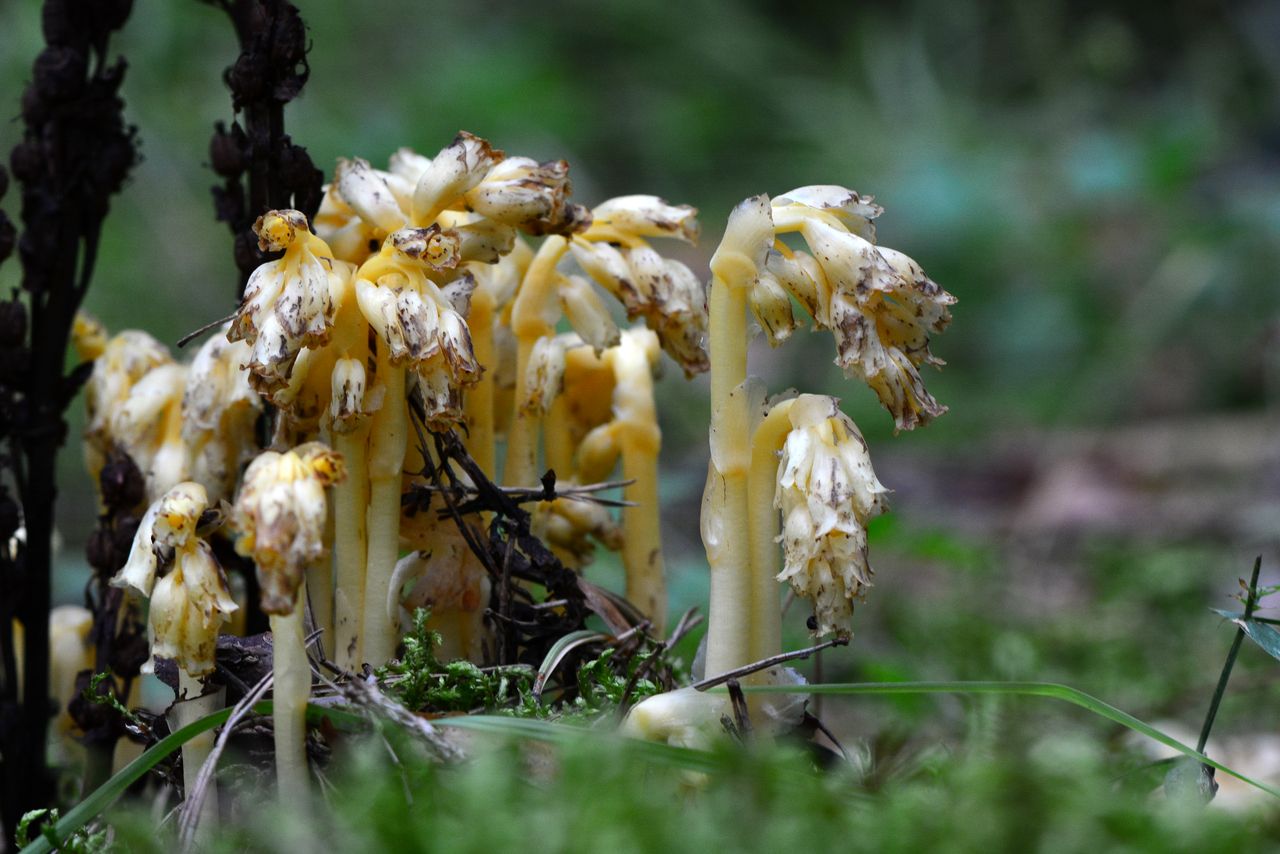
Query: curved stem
{"points": [[291, 687], [534, 314], [389, 438], [640, 441], [764, 527]]}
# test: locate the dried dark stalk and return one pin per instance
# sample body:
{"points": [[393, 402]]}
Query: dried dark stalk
{"points": [[260, 166], [119, 639], [76, 152]]}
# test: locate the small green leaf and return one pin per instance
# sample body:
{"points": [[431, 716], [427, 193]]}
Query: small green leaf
{"points": [[1264, 634]]}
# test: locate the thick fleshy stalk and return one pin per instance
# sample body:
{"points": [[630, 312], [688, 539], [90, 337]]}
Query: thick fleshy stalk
{"points": [[478, 402], [388, 441], [192, 705], [725, 500], [765, 526], [640, 440], [291, 673], [533, 316], [350, 548]]}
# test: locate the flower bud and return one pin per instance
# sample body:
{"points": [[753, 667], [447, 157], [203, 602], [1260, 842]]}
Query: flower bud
{"points": [[771, 306], [366, 191], [526, 194], [587, 313], [648, 216], [347, 400], [454, 171]]}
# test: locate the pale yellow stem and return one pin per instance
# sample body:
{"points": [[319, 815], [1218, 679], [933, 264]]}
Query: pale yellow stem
{"points": [[764, 527], [389, 438], [521, 468], [320, 590], [556, 441], [192, 705], [534, 315], [640, 441], [291, 688], [724, 503], [350, 543], [478, 402]]}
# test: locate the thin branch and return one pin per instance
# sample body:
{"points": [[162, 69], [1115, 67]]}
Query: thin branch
{"points": [[766, 663]]}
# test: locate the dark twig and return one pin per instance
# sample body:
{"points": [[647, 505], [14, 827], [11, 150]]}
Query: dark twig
{"points": [[76, 153], [766, 663], [741, 714]]}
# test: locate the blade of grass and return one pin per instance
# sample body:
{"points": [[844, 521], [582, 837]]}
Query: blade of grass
{"points": [[106, 794], [554, 733], [1028, 689]]}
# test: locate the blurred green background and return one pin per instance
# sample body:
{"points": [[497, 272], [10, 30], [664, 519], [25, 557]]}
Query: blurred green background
{"points": [[1098, 184]]}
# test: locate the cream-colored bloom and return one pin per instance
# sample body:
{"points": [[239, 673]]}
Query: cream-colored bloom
{"points": [[190, 603], [124, 361], [827, 491], [287, 303], [280, 518], [528, 195], [458, 168], [662, 291], [188, 608], [647, 216], [368, 193], [544, 375], [147, 425], [587, 313], [219, 413], [878, 303], [450, 580]]}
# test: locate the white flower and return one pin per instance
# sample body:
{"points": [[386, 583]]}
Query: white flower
{"points": [[827, 491], [529, 195], [878, 303], [587, 313], [280, 517], [662, 291], [219, 413], [458, 168], [287, 303], [368, 193], [190, 603], [647, 216]]}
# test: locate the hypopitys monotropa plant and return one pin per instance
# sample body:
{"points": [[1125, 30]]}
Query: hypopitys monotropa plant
{"points": [[881, 309], [189, 605], [279, 516]]}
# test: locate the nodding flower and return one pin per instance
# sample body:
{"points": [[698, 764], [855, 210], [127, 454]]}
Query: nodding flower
{"points": [[280, 518], [877, 302], [827, 491], [219, 413], [287, 303], [662, 291], [191, 602]]}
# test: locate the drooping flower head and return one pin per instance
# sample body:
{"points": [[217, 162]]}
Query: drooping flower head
{"points": [[877, 302], [616, 253], [419, 320], [219, 411], [280, 517], [192, 601], [827, 491], [287, 303]]}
